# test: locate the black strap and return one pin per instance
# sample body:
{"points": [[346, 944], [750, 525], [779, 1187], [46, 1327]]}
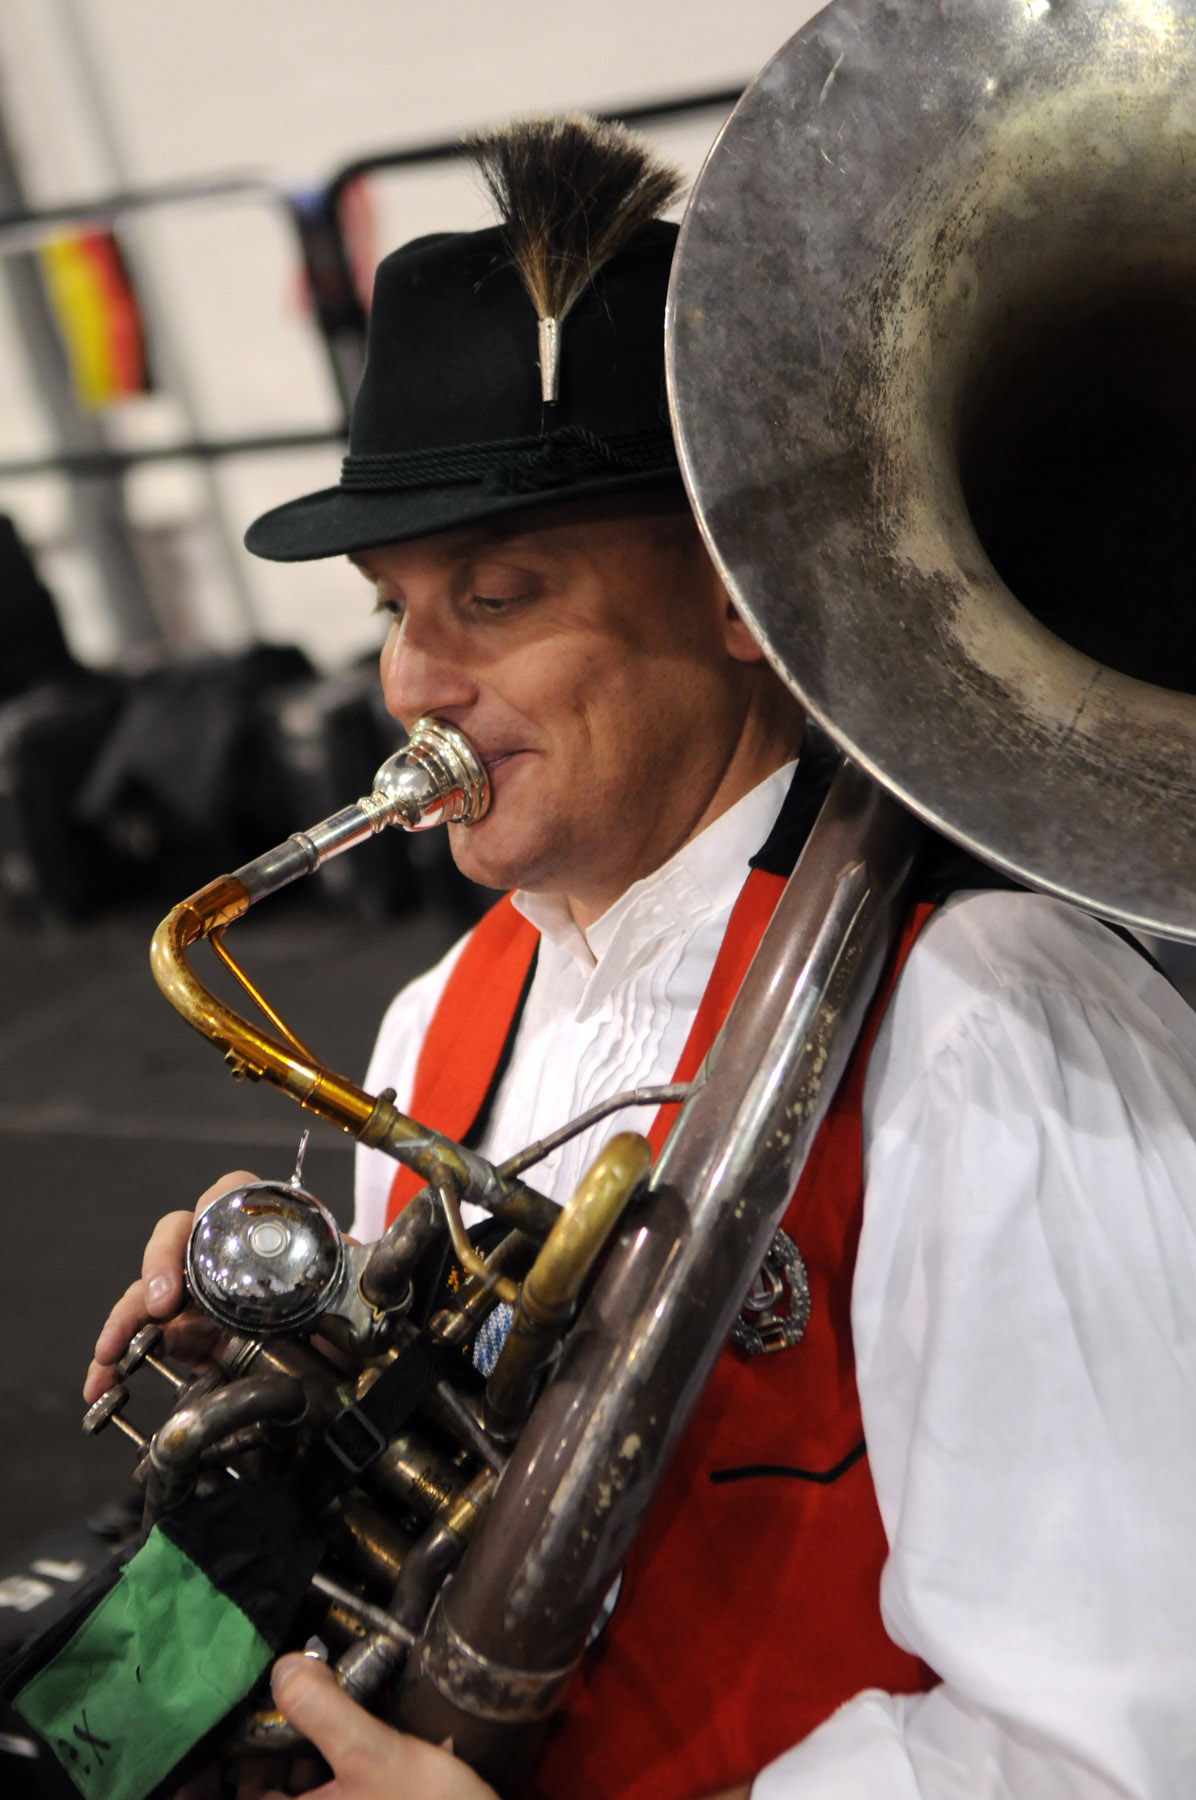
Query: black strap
{"points": [[360, 1433], [1127, 937], [816, 765]]}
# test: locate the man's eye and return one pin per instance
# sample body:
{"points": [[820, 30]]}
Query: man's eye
{"points": [[492, 603], [393, 607]]}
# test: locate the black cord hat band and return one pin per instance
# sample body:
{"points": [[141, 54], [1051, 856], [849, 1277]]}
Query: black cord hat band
{"points": [[517, 465]]}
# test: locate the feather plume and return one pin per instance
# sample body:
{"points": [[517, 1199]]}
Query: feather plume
{"points": [[571, 193]]}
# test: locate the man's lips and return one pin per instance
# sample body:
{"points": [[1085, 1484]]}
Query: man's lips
{"points": [[499, 758]]}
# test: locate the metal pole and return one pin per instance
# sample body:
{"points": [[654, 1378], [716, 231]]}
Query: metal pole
{"points": [[170, 363], [97, 501]]}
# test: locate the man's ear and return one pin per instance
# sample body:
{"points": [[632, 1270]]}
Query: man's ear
{"points": [[740, 643]]}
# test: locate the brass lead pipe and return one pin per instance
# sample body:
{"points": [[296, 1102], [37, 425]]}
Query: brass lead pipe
{"points": [[251, 1051]]}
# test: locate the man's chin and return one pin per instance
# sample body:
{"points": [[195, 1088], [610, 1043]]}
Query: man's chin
{"points": [[492, 862]]}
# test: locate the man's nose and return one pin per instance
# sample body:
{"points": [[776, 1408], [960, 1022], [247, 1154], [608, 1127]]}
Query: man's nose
{"points": [[424, 672]]}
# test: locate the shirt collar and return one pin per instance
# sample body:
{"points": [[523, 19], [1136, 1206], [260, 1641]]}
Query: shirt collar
{"points": [[703, 878]]}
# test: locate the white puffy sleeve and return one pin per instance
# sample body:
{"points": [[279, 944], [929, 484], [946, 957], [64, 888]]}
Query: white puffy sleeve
{"points": [[1024, 1316]]}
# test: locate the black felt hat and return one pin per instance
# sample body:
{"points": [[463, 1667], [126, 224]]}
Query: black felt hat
{"points": [[450, 426]]}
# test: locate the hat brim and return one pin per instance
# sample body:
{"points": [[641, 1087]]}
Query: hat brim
{"points": [[337, 521]]}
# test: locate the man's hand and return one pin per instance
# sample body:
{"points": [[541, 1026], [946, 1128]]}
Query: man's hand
{"points": [[369, 1760], [158, 1296]]}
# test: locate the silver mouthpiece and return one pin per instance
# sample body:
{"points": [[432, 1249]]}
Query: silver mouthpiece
{"points": [[437, 778]]}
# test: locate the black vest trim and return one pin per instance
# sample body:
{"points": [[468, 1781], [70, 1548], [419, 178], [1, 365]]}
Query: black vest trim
{"points": [[758, 1471]]}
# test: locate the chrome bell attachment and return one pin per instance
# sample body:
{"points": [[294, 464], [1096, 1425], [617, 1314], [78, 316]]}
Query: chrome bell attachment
{"points": [[266, 1258]]}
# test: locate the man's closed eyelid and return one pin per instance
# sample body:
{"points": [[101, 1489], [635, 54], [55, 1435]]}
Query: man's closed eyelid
{"points": [[499, 606]]}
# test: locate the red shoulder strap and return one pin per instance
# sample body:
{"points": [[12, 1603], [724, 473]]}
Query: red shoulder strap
{"points": [[754, 908], [465, 1038], [853, 1085]]}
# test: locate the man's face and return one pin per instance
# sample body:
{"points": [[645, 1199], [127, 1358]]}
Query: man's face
{"points": [[591, 657]]}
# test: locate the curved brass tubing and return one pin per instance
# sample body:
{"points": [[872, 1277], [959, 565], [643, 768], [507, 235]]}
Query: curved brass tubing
{"points": [[250, 1051], [558, 1275], [553, 1285]]}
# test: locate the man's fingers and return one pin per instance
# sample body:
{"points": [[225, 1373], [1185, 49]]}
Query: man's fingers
{"points": [[188, 1338], [369, 1760], [162, 1264], [158, 1296], [237, 1178], [97, 1380], [121, 1323], [307, 1693], [119, 1328]]}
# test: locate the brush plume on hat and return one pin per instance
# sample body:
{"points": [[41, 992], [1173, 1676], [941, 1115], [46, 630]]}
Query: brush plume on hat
{"points": [[453, 423], [571, 192]]}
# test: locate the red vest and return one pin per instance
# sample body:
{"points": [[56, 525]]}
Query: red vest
{"points": [[749, 1608]]}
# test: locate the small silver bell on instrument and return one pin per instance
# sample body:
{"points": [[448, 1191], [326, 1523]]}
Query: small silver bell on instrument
{"points": [[266, 1258]]}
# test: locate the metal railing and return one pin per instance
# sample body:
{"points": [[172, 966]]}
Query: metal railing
{"points": [[338, 307]]}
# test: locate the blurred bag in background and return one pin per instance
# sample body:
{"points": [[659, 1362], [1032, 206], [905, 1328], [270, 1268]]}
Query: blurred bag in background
{"points": [[115, 787]]}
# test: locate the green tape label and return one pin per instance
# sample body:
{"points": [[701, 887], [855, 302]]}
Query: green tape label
{"points": [[158, 1664]]}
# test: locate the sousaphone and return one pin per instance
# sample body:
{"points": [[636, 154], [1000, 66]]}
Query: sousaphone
{"points": [[933, 367]]}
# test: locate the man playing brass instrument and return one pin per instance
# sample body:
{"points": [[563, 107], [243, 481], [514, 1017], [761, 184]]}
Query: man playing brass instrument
{"points": [[1019, 1318]]}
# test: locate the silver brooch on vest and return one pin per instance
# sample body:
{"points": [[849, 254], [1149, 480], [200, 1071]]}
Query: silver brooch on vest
{"points": [[777, 1309]]}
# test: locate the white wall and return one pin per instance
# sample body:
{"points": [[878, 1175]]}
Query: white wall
{"points": [[108, 93]]}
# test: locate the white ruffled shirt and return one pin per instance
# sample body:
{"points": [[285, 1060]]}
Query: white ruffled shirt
{"points": [[1024, 1313], [607, 1011]]}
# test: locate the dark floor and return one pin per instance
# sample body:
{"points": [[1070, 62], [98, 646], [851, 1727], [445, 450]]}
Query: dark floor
{"points": [[112, 1112]]}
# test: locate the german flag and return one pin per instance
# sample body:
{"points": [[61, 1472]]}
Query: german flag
{"points": [[98, 315]]}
